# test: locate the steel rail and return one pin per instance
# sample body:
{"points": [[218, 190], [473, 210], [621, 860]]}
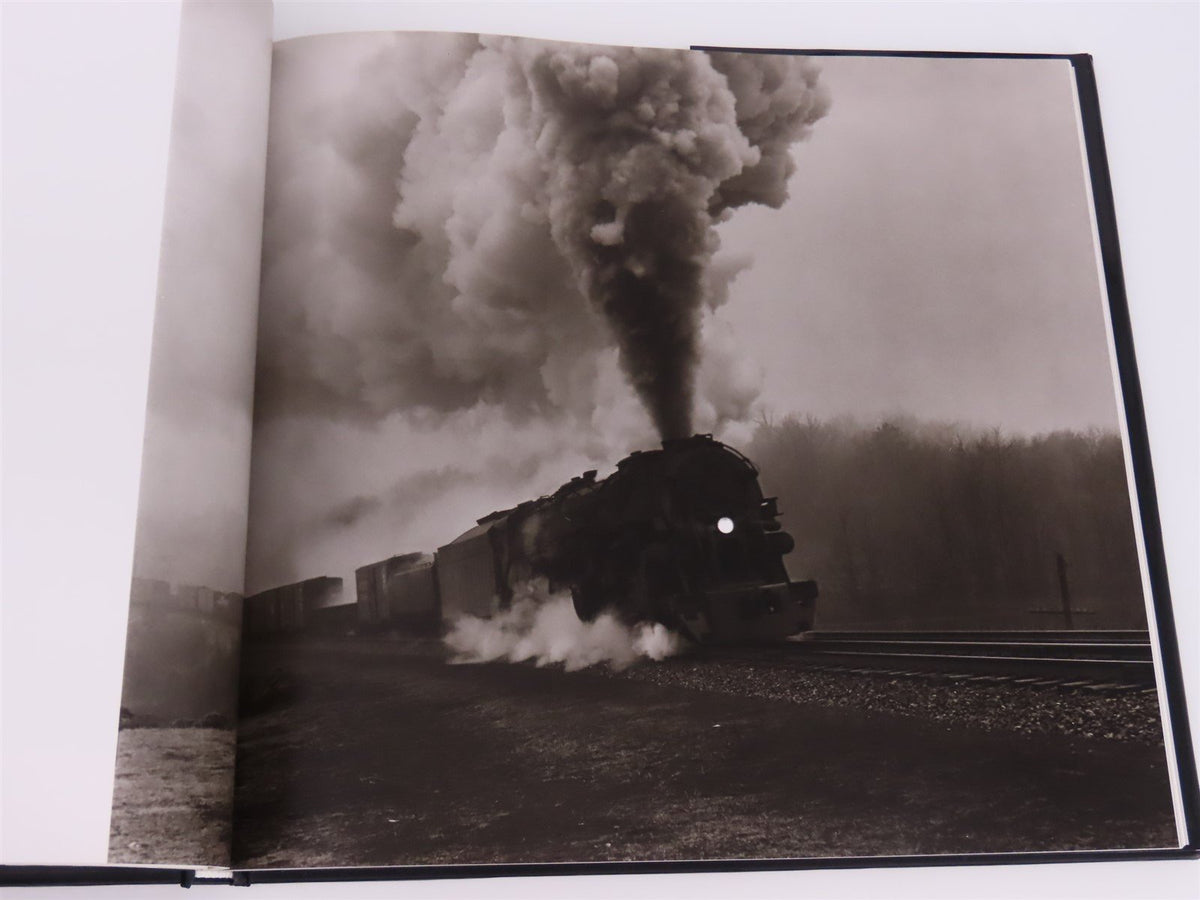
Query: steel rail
{"points": [[1096, 658]]}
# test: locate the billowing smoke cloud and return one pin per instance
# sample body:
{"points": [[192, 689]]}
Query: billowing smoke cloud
{"points": [[542, 626], [473, 247], [478, 219]]}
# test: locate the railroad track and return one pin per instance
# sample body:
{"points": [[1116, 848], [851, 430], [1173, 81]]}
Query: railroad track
{"points": [[1106, 659]]}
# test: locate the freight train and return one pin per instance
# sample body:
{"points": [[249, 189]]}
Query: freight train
{"points": [[300, 607], [682, 535]]}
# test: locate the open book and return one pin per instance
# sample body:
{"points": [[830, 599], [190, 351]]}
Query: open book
{"points": [[561, 453]]}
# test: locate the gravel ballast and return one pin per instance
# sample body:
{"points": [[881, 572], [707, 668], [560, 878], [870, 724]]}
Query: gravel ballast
{"points": [[1122, 714]]}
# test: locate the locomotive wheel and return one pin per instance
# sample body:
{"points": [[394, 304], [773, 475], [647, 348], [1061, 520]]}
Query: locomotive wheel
{"points": [[587, 602]]}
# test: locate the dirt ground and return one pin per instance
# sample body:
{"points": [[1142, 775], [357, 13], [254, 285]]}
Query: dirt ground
{"points": [[173, 798], [364, 754]]}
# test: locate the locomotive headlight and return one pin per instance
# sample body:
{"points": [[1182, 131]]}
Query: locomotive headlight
{"points": [[725, 525]]}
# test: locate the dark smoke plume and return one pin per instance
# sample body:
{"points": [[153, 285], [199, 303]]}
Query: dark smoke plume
{"points": [[645, 150]]}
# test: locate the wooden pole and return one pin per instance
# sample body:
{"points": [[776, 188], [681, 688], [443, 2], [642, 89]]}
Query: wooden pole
{"points": [[1064, 589]]}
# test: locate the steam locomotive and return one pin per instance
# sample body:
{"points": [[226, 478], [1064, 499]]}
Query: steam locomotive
{"points": [[681, 536]]}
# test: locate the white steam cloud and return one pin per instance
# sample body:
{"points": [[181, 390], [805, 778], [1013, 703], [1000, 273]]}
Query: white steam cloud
{"points": [[542, 626]]}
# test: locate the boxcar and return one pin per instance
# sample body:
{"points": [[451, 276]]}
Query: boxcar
{"points": [[468, 577], [289, 608], [400, 592], [337, 620]]}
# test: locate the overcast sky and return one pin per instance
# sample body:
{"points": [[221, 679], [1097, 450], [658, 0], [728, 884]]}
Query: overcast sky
{"points": [[425, 355], [936, 257]]}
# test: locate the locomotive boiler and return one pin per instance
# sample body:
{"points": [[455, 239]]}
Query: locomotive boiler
{"points": [[680, 535]]}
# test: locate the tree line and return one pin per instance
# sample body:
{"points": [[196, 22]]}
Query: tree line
{"points": [[917, 525]]}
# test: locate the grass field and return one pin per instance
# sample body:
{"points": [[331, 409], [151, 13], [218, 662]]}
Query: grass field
{"points": [[173, 799]]}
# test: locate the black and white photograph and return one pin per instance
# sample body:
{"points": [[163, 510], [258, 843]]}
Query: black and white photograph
{"points": [[573, 448], [667, 455]]}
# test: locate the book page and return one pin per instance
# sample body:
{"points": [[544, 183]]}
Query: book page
{"points": [[172, 801], [55, 702], [516, 595]]}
